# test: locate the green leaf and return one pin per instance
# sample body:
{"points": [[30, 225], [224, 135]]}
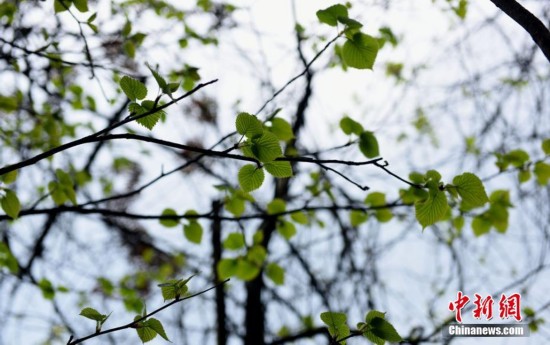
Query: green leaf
{"points": [[384, 215], [360, 51], [249, 125], [461, 9], [299, 217], [542, 172], [10, 203], [368, 144], [471, 190], [432, 209], [349, 126], [367, 328], [384, 330], [331, 14], [133, 88], [159, 79], [524, 176], [376, 199], [66, 185], [95, 30], [251, 177], [193, 232], [145, 333], [81, 5], [433, 175], [286, 229], [169, 223], [156, 326], [92, 314], [173, 289], [280, 169], [234, 241], [546, 146], [10, 177], [277, 205], [61, 5], [92, 18], [256, 254], [276, 273], [56, 192], [336, 323], [371, 315], [282, 129], [266, 147], [235, 205], [357, 218], [7, 259], [517, 158], [169, 289], [227, 268], [246, 270], [146, 106], [48, 291], [351, 24], [481, 225]]}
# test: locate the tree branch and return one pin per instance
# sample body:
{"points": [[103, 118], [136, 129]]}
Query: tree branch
{"points": [[538, 31], [95, 136], [134, 323]]}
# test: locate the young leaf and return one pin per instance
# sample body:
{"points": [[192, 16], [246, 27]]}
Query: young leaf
{"points": [[227, 268], [150, 120], [249, 125], [349, 126], [56, 192], [277, 205], [276, 273], [234, 241], [251, 177], [159, 79], [280, 169], [546, 146], [266, 147], [357, 218], [542, 172], [92, 314], [145, 333], [193, 232], [299, 217], [481, 225], [81, 5], [384, 330], [156, 326], [169, 223], [10, 204], [368, 144], [133, 88], [286, 229], [9, 177], [47, 289], [246, 270], [331, 14], [91, 18], [432, 209], [61, 5], [471, 190], [336, 323], [169, 290], [360, 51], [282, 129]]}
